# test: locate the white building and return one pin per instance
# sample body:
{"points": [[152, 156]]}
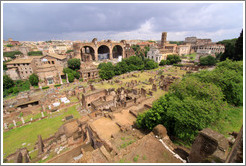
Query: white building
{"points": [[155, 54]]}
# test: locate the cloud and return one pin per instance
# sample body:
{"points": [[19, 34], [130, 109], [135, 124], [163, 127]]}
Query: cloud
{"points": [[44, 21]]}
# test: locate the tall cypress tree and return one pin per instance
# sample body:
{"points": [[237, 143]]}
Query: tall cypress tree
{"points": [[239, 48]]}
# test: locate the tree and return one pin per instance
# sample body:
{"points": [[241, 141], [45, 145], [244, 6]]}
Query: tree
{"points": [[74, 64], [35, 53], [239, 48], [12, 54], [70, 77], [229, 49], [33, 79], [107, 71], [190, 106], [173, 59], [163, 62], [68, 51], [7, 82], [207, 61], [76, 75], [150, 64]]}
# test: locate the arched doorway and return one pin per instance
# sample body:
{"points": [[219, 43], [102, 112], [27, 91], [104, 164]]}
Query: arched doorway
{"points": [[117, 51], [103, 52], [88, 54]]}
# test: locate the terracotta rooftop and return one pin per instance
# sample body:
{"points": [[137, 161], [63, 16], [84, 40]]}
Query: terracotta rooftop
{"points": [[56, 56]]}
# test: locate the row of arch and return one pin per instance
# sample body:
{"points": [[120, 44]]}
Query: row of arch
{"points": [[103, 52]]}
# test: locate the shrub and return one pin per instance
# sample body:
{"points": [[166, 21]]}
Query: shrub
{"points": [[172, 59], [45, 87], [70, 77], [68, 51], [163, 62], [7, 82], [74, 64], [150, 64], [33, 79], [35, 53], [208, 61], [12, 54], [190, 106], [57, 85]]}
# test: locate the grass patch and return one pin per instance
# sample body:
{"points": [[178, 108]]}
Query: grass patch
{"points": [[232, 122], [135, 159], [14, 138], [127, 143], [144, 157]]}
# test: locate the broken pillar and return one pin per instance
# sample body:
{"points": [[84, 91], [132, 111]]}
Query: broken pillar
{"points": [[40, 145]]}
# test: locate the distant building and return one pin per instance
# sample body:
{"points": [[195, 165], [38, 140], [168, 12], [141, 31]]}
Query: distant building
{"points": [[154, 54], [22, 68], [183, 49]]}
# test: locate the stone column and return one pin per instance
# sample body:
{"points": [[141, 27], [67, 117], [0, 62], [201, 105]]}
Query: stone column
{"points": [[123, 53], [60, 79], [67, 78], [14, 123], [96, 54], [110, 53], [42, 113], [22, 120]]}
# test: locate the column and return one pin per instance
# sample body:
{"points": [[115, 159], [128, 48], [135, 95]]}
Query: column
{"points": [[110, 53]]}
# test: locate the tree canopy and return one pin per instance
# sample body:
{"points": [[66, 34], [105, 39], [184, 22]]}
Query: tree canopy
{"points": [[197, 101], [74, 64], [33, 79], [208, 61], [35, 53]]}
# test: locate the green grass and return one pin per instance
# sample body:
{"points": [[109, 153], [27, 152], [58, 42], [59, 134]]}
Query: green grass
{"points": [[232, 122], [127, 143], [14, 138], [135, 159], [191, 56]]}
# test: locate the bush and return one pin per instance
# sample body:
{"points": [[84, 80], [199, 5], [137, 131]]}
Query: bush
{"points": [[106, 71], [33, 79], [178, 65], [172, 59], [7, 82], [35, 53], [76, 75], [163, 62], [228, 75], [12, 54], [70, 77], [190, 106], [150, 64], [57, 85], [45, 87], [207, 61], [68, 51], [81, 80], [74, 64]]}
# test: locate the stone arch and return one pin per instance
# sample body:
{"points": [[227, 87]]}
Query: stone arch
{"points": [[90, 50], [103, 52], [117, 51]]}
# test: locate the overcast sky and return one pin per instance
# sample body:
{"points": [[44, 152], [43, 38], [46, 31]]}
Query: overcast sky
{"points": [[45, 21]]}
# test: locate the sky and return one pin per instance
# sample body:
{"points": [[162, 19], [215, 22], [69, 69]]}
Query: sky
{"points": [[118, 21]]}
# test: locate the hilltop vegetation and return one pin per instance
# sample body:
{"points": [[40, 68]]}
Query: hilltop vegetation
{"points": [[198, 101]]}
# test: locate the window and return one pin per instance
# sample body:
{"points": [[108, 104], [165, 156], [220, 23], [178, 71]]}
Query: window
{"points": [[26, 71], [49, 62], [53, 62]]}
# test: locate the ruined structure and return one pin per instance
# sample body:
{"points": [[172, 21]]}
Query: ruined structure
{"points": [[209, 146], [100, 50]]}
